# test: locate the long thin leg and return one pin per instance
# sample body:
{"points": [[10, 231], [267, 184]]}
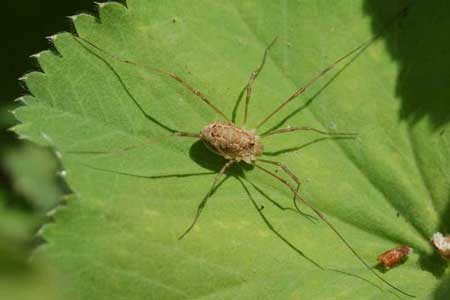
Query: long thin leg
{"points": [[125, 87], [252, 79], [341, 237], [311, 81], [162, 72], [330, 67], [148, 142], [207, 196], [276, 204], [165, 176], [278, 234], [304, 128], [158, 139], [293, 176]]}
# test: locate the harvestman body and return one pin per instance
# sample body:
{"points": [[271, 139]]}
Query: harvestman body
{"points": [[231, 142], [237, 144]]}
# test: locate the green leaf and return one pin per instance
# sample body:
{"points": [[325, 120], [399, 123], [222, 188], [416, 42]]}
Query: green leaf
{"points": [[117, 238]]}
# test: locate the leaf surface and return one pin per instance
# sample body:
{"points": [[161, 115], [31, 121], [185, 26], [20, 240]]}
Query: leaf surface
{"points": [[117, 238]]}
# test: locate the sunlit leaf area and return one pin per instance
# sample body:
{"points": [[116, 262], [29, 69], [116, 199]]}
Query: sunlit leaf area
{"points": [[97, 185]]}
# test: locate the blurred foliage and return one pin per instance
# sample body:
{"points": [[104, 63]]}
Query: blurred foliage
{"points": [[15, 231], [33, 171]]}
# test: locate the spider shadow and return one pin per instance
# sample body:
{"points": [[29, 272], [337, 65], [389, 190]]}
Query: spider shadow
{"points": [[259, 208], [126, 89], [318, 93], [205, 158], [308, 102], [198, 153], [303, 146]]}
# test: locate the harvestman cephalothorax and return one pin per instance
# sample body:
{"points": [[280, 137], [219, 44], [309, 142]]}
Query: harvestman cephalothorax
{"points": [[239, 145]]}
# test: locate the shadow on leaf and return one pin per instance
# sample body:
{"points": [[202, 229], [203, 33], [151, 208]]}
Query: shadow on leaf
{"points": [[420, 43]]}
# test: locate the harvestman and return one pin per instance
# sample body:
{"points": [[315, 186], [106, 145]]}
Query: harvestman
{"points": [[237, 144]]}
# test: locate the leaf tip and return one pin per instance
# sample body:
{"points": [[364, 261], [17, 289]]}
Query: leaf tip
{"points": [[52, 38], [73, 18], [36, 55], [62, 173], [23, 78], [100, 4], [21, 99]]}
